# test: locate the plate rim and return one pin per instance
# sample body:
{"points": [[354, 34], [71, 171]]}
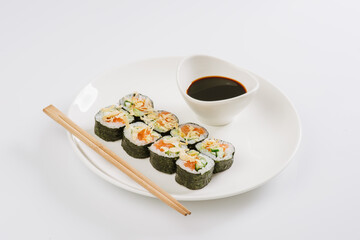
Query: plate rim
{"points": [[144, 192]]}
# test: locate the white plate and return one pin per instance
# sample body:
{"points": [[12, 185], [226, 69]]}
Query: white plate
{"points": [[266, 135]]}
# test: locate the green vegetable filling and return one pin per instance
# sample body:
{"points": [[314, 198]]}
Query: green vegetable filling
{"points": [[137, 112], [215, 151], [128, 103], [200, 164]]}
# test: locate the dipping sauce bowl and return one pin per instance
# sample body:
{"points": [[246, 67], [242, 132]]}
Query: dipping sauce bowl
{"points": [[215, 112]]}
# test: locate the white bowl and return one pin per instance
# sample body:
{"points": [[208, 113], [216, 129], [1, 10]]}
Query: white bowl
{"points": [[220, 112]]}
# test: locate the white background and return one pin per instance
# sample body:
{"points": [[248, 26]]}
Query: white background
{"points": [[49, 50]]}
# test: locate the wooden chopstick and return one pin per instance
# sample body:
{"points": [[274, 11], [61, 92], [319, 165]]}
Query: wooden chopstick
{"points": [[110, 156]]}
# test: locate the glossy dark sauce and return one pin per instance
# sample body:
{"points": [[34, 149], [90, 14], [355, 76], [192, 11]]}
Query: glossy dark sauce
{"points": [[213, 88]]}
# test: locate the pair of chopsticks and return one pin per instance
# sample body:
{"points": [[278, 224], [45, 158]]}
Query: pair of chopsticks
{"points": [[121, 164]]}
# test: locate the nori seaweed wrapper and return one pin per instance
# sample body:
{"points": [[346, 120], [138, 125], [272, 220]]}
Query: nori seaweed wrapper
{"points": [[137, 119], [191, 146], [108, 134], [193, 181], [162, 163], [163, 133], [135, 150], [223, 165]]}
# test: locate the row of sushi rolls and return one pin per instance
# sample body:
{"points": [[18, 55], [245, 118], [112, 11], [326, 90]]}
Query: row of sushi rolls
{"points": [[184, 149]]}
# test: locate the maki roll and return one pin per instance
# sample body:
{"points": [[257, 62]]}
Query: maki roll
{"points": [[137, 138], [164, 153], [110, 122], [137, 104], [194, 170], [190, 133], [161, 121], [220, 151]]}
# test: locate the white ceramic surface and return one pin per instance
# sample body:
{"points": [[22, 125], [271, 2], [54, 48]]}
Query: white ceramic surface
{"points": [[266, 134], [221, 112]]}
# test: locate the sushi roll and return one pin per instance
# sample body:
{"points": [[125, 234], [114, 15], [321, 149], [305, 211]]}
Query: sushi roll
{"points": [[137, 104], [164, 153], [137, 138], [220, 151], [110, 122], [190, 133], [161, 121], [194, 170]]}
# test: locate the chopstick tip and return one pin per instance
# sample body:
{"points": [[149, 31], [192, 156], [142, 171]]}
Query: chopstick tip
{"points": [[48, 107]]}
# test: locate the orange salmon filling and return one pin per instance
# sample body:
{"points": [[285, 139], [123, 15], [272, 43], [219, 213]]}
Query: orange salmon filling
{"points": [[140, 103], [162, 118], [186, 129], [222, 145], [115, 119], [161, 144], [143, 133], [190, 165]]}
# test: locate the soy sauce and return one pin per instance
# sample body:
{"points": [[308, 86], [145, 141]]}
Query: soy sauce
{"points": [[215, 88]]}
